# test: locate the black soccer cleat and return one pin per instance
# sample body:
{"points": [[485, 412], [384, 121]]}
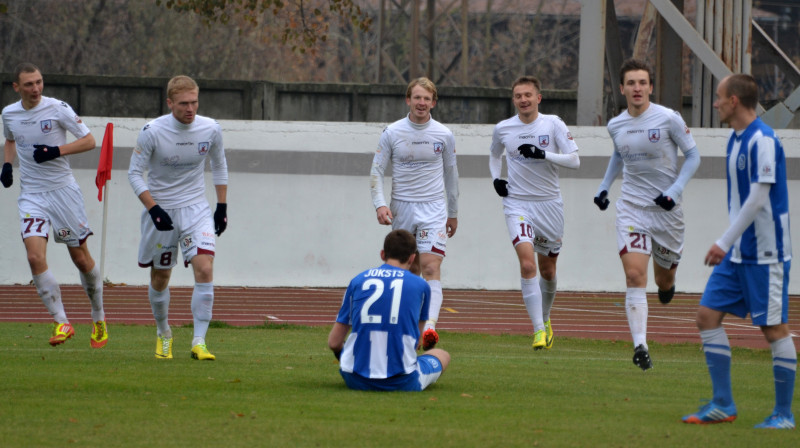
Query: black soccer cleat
{"points": [[642, 358], [666, 296]]}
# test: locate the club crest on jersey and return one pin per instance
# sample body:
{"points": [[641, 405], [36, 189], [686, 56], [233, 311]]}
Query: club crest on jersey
{"points": [[741, 162], [438, 148], [46, 126], [202, 148], [544, 141], [654, 135], [64, 233], [423, 234], [186, 242]]}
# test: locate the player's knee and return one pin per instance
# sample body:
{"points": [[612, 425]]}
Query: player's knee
{"points": [[442, 356], [527, 268]]}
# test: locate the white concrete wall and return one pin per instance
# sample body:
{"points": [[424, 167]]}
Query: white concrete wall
{"points": [[320, 229]]}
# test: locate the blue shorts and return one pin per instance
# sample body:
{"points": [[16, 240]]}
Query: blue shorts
{"points": [[759, 289], [429, 369]]}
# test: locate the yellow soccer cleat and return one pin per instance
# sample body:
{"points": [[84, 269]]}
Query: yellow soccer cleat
{"points": [[61, 332], [548, 332], [164, 348], [200, 352], [539, 340], [99, 337]]}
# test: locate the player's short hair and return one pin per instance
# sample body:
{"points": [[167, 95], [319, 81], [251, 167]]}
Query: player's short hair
{"points": [[399, 245], [527, 79], [743, 87], [180, 84], [426, 84], [633, 64], [25, 67]]}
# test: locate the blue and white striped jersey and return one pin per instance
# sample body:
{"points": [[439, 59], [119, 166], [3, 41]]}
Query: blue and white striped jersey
{"points": [[384, 306], [756, 155]]}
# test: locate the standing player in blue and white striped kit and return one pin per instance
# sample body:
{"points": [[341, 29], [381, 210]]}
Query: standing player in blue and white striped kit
{"points": [[386, 307], [752, 258]]}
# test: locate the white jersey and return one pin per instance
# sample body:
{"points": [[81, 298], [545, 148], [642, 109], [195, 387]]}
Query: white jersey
{"points": [[45, 124], [175, 155], [531, 179], [423, 158], [648, 145]]}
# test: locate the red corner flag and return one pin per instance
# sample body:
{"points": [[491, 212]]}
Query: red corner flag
{"points": [[106, 158]]}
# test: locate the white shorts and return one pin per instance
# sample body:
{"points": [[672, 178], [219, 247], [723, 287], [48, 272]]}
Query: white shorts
{"points": [[650, 230], [540, 223], [193, 231], [427, 221], [62, 209]]}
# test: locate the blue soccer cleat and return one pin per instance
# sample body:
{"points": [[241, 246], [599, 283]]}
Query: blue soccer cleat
{"points": [[777, 421], [711, 413]]}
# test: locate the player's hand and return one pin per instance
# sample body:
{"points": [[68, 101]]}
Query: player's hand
{"points": [[531, 151], [43, 153], [664, 202], [452, 225], [714, 256], [6, 177], [384, 215], [601, 200], [220, 218], [160, 218], [501, 187]]}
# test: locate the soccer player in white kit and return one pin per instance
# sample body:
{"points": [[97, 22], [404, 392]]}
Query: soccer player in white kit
{"points": [[751, 259], [36, 130], [535, 145], [174, 149], [646, 139], [423, 156]]}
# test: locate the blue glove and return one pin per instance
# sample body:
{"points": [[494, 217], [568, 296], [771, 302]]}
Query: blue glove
{"points": [[43, 153], [601, 200], [501, 187], [6, 177], [160, 218], [529, 153], [664, 202], [221, 218]]}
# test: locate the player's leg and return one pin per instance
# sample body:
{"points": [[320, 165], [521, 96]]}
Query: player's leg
{"points": [[198, 246], [430, 367], [48, 289], [772, 316], [667, 229], [722, 295], [548, 223], [431, 267], [158, 251], [93, 286], [429, 225]]}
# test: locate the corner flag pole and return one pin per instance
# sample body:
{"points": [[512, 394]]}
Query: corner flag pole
{"points": [[104, 174]]}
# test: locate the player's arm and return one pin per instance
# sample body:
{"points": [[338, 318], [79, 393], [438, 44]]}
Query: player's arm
{"points": [[567, 155], [615, 165], [9, 153], [451, 186], [44, 153], [379, 163], [337, 337], [688, 169], [756, 201], [496, 165], [570, 160]]}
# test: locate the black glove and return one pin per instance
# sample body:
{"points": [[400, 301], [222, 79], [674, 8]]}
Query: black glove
{"points": [[160, 218], [529, 153], [6, 177], [664, 202], [601, 200], [43, 153], [501, 187], [221, 218]]}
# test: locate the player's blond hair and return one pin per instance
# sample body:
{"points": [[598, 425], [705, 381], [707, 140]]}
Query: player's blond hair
{"points": [[527, 79], [180, 84], [426, 84]]}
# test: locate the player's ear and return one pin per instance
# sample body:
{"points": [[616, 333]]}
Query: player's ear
{"points": [[383, 255]]}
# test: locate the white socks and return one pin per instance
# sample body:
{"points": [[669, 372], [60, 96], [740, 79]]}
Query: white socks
{"points": [[436, 303], [93, 285], [202, 304], [159, 303], [532, 296], [50, 293], [548, 288], [636, 309]]}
